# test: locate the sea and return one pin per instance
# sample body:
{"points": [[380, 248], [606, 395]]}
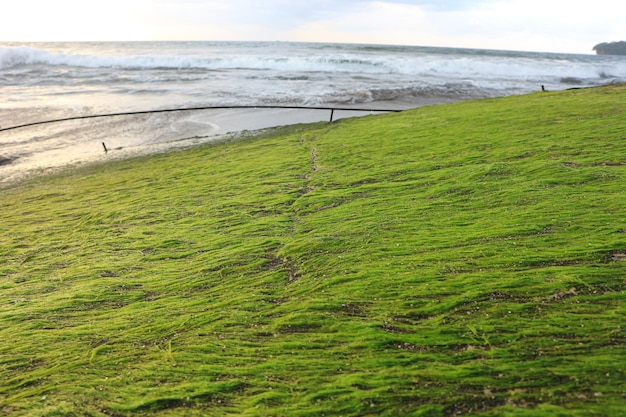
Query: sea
{"points": [[41, 82]]}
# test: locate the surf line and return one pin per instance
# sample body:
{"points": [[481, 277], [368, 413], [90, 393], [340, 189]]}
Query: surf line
{"points": [[94, 116]]}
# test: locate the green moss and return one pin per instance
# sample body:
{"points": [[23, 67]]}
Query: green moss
{"points": [[457, 259]]}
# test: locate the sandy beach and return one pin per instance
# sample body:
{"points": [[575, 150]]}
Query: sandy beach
{"points": [[42, 149], [47, 81]]}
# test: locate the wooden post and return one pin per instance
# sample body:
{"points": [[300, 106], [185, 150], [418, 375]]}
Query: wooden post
{"points": [[105, 148], [332, 111]]}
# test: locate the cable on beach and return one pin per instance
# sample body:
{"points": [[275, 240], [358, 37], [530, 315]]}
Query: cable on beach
{"points": [[94, 116]]}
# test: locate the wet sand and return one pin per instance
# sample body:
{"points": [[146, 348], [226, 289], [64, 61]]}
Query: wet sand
{"points": [[42, 149]]}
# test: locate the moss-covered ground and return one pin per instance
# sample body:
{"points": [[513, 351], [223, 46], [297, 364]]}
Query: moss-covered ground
{"points": [[464, 259]]}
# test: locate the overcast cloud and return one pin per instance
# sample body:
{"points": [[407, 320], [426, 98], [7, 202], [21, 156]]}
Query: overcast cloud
{"points": [[534, 25]]}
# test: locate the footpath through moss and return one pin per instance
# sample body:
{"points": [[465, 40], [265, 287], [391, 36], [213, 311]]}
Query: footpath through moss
{"points": [[465, 259]]}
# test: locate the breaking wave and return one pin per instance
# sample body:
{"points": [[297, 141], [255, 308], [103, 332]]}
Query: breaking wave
{"points": [[464, 65]]}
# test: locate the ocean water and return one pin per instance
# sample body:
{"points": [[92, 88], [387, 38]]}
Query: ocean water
{"points": [[44, 81]]}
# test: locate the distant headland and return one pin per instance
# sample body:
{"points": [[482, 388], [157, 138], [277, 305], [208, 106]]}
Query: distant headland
{"points": [[611, 48]]}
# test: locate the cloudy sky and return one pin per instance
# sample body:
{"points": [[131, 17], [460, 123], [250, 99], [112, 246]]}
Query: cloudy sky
{"points": [[531, 25]]}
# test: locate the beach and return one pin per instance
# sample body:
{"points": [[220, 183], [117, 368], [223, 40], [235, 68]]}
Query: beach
{"points": [[54, 146], [47, 81]]}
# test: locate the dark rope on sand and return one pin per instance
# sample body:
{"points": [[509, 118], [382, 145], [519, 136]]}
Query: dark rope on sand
{"points": [[93, 116]]}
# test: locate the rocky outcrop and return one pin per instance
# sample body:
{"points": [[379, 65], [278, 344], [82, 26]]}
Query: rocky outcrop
{"points": [[611, 48]]}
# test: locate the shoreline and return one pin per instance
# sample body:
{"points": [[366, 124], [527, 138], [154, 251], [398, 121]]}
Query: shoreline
{"points": [[74, 143], [49, 147]]}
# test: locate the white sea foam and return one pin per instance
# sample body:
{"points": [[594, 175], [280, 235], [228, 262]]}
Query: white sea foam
{"points": [[460, 64]]}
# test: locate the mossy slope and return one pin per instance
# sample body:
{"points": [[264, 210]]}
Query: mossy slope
{"points": [[457, 259]]}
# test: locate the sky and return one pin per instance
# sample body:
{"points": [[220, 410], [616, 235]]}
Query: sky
{"points": [[573, 26]]}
